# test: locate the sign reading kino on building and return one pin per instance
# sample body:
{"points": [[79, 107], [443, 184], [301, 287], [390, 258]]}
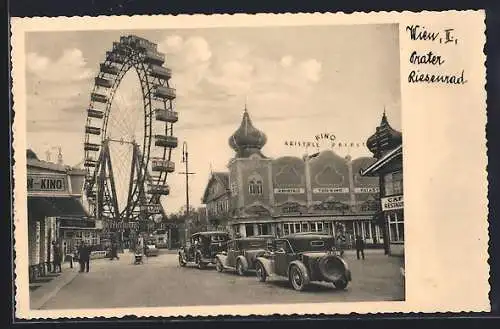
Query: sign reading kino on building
{"points": [[47, 183]]}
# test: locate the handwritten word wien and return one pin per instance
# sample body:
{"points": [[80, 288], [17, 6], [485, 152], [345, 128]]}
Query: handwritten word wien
{"points": [[420, 33]]}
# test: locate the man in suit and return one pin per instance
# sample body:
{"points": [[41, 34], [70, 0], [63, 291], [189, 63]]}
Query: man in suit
{"points": [[360, 247], [84, 257]]}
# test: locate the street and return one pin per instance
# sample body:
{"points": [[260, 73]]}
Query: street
{"points": [[161, 282]]}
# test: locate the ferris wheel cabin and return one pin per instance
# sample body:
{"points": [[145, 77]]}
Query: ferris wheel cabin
{"points": [[114, 57], [166, 141], [164, 92], [158, 71], [95, 113], [92, 130], [102, 82], [100, 98], [166, 115], [91, 147], [109, 69], [90, 163], [159, 189], [161, 165]]}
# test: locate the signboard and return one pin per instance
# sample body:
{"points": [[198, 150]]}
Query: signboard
{"points": [[151, 208], [366, 190], [289, 190], [47, 183], [76, 222], [392, 203], [330, 190]]}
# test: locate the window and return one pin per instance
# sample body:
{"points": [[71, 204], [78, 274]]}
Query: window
{"points": [[264, 229], [393, 183], [249, 229], [255, 185], [396, 227]]}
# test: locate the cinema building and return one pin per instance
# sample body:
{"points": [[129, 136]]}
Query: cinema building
{"points": [[323, 192], [55, 212], [386, 146]]}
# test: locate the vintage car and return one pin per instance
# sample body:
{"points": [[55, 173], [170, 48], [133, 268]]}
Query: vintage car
{"points": [[202, 248], [151, 249], [304, 258], [242, 253]]}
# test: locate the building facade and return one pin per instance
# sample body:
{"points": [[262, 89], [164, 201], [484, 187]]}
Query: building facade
{"points": [[386, 146], [323, 192], [55, 212], [216, 198]]}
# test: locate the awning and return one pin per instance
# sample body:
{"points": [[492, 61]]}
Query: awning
{"points": [[42, 207]]}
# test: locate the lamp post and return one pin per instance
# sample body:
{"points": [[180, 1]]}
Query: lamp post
{"points": [[186, 173]]}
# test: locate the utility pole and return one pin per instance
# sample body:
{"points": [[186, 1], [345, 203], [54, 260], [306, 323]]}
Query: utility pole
{"points": [[186, 173]]}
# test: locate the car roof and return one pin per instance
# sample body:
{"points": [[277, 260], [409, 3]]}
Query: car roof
{"points": [[254, 238]]}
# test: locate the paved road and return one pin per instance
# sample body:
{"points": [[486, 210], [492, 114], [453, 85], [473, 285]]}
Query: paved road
{"points": [[161, 282]]}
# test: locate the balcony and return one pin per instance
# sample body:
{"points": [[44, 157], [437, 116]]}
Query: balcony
{"points": [[154, 57], [166, 141], [161, 165], [100, 98], [92, 130], [95, 113], [159, 189], [158, 71], [91, 147], [109, 69], [102, 82], [164, 92], [166, 115]]}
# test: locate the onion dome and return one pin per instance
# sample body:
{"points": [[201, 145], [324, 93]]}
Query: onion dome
{"points": [[247, 139], [384, 139], [31, 155]]}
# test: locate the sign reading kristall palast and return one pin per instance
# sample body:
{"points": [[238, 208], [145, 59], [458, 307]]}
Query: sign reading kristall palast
{"points": [[331, 190], [47, 183], [392, 203]]}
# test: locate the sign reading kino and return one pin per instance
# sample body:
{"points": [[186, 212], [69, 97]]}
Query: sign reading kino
{"points": [[47, 183]]}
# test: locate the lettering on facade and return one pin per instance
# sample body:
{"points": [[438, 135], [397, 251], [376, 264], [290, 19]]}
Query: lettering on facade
{"points": [[366, 190], [392, 203], [289, 190], [46, 183], [151, 208], [330, 190]]}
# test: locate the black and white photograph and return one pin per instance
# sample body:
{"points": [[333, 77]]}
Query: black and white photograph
{"points": [[214, 166]]}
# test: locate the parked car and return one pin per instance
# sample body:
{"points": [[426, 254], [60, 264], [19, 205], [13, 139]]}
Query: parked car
{"points": [[151, 249], [302, 259], [242, 253], [202, 248]]}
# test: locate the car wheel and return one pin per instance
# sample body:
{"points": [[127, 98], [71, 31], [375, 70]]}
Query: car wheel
{"points": [[218, 266], [239, 268], [297, 278], [260, 272], [181, 261], [340, 284]]}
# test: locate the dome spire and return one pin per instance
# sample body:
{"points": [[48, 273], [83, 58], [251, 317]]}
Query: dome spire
{"points": [[384, 139], [247, 139]]}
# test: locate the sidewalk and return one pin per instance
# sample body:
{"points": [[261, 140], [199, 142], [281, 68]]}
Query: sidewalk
{"points": [[47, 287]]}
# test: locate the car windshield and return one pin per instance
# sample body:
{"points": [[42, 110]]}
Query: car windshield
{"points": [[218, 238]]}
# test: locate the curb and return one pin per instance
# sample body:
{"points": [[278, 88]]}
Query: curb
{"points": [[36, 305]]}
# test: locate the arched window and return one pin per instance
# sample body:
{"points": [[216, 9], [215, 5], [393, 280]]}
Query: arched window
{"points": [[255, 185]]}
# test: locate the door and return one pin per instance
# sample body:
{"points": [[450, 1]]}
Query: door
{"points": [[281, 255], [232, 249]]}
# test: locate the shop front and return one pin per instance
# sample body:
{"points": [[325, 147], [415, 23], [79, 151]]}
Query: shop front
{"points": [[54, 192]]}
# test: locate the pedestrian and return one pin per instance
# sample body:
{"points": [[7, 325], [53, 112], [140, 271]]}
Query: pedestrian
{"points": [[360, 247], [56, 254], [84, 257], [114, 251]]}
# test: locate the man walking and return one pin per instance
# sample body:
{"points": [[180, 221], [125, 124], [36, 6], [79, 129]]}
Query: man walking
{"points": [[360, 247], [84, 257], [114, 251], [56, 254]]}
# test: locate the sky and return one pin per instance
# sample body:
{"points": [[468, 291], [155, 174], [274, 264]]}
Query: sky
{"points": [[296, 82]]}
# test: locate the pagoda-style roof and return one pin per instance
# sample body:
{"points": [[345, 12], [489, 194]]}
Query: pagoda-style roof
{"points": [[384, 139], [247, 139]]}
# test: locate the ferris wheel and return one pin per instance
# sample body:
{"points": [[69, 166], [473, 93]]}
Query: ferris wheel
{"points": [[129, 133]]}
